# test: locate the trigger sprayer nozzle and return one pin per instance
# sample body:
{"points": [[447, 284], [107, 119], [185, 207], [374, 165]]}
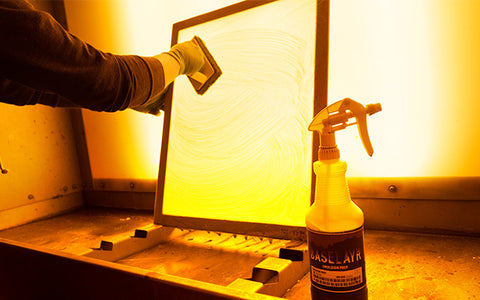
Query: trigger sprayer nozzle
{"points": [[335, 117], [373, 108]]}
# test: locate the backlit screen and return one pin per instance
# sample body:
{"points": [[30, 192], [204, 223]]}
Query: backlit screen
{"points": [[242, 151]]}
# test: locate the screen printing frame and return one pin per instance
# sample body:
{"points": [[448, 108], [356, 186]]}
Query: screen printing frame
{"points": [[319, 102]]}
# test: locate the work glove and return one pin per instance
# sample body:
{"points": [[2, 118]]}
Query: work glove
{"points": [[189, 56], [153, 105], [190, 59]]}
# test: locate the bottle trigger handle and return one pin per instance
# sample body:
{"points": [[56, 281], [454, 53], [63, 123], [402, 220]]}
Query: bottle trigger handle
{"points": [[335, 117]]}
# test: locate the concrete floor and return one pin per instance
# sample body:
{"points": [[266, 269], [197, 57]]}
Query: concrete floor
{"points": [[416, 266], [399, 265]]}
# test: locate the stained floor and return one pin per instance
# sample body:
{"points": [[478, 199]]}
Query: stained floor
{"points": [[416, 266]]}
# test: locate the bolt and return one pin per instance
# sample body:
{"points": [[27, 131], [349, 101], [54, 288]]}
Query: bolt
{"points": [[392, 188], [132, 185], [30, 197]]}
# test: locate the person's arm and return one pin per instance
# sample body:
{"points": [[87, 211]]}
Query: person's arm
{"points": [[38, 52], [13, 92]]}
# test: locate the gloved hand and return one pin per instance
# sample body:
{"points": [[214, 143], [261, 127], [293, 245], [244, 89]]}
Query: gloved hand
{"points": [[153, 105], [189, 57]]}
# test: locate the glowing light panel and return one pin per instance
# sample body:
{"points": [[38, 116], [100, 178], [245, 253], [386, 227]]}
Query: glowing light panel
{"points": [[420, 59], [242, 151]]}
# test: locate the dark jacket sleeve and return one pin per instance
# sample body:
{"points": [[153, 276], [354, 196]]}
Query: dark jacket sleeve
{"points": [[37, 52]]}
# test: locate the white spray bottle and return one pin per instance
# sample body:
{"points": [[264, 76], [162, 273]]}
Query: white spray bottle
{"points": [[334, 223]]}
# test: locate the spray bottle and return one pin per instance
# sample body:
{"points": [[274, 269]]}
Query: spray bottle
{"points": [[334, 223]]}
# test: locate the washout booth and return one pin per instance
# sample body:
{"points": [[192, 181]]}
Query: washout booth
{"points": [[215, 207]]}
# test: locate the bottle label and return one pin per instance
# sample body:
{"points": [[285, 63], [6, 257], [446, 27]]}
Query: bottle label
{"points": [[337, 260]]}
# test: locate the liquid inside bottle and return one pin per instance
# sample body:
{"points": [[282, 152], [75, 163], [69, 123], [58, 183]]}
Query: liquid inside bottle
{"points": [[335, 237]]}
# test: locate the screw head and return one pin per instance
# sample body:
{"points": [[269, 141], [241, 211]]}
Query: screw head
{"points": [[392, 188]]}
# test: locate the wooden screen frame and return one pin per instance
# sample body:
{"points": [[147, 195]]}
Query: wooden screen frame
{"points": [[319, 102]]}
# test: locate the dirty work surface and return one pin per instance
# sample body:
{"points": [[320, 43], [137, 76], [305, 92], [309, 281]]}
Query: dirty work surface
{"points": [[416, 266], [399, 265], [80, 230], [218, 258]]}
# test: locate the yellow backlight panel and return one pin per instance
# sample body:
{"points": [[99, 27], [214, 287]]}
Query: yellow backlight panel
{"points": [[419, 59], [242, 151]]}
